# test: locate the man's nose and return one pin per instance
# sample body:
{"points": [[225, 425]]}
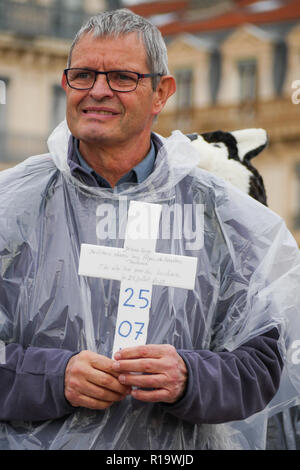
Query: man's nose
{"points": [[101, 87]]}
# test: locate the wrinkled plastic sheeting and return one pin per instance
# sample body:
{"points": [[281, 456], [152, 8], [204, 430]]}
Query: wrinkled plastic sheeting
{"points": [[247, 282], [284, 430]]}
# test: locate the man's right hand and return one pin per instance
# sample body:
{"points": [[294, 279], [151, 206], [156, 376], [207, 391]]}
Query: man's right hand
{"points": [[90, 381]]}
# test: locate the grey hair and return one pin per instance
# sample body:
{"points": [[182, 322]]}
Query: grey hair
{"points": [[123, 21]]}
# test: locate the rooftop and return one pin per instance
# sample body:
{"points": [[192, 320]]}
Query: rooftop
{"points": [[185, 16]]}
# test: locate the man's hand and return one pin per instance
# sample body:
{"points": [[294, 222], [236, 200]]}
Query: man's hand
{"points": [[90, 381], [164, 370]]}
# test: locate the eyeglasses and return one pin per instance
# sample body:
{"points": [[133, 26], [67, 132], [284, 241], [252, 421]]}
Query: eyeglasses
{"points": [[118, 80]]}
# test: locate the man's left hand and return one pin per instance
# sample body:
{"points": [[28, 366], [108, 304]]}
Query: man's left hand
{"points": [[159, 367]]}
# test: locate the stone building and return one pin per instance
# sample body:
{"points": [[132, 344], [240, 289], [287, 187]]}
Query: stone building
{"points": [[242, 70], [34, 42]]}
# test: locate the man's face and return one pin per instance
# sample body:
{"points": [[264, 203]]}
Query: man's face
{"points": [[103, 116]]}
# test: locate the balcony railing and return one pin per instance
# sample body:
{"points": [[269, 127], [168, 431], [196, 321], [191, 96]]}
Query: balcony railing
{"points": [[280, 117], [29, 19]]}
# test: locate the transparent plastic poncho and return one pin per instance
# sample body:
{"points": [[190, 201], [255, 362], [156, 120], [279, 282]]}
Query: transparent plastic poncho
{"points": [[246, 256]]}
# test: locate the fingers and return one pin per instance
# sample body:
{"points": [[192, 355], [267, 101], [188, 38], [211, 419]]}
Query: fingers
{"points": [[89, 395], [148, 350], [115, 392], [90, 381], [91, 403], [96, 382], [149, 366], [157, 367], [149, 359], [97, 361], [167, 387], [101, 379], [144, 381]]}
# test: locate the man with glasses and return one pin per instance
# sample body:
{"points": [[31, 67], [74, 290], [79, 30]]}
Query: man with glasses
{"points": [[212, 354]]}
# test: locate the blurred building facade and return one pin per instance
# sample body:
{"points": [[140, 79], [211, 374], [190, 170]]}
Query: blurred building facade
{"points": [[35, 38], [241, 69], [235, 63]]}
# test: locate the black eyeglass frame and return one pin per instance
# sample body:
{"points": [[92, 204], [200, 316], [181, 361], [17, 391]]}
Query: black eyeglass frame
{"points": [[96, 72]]}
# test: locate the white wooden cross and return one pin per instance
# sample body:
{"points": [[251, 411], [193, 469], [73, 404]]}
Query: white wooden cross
{"points": [[138, 267]]}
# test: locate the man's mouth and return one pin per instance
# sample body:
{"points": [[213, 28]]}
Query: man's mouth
{"points": [[102, 112]]}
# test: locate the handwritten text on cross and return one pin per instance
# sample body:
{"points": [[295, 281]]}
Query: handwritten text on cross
{"points": [[138, 267]]}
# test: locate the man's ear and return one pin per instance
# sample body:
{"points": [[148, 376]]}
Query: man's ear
{"points": [[165, 89], [64, 81]]}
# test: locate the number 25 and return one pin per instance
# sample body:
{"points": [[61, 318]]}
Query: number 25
{"points": [[140, 297]]}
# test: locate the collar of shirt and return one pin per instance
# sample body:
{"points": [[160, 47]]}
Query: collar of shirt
{"points": [[79, 167]]}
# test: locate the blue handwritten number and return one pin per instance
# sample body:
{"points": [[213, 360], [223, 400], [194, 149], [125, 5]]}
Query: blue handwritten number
{"points": [[139, 332], [129, 331], [144, 298], [130, 295], [141, 297]]}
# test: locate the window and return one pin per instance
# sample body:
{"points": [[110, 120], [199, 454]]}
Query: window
{"points": [[215, 74], [58, 106], [279, 66], [184, 93], [247, 70]]}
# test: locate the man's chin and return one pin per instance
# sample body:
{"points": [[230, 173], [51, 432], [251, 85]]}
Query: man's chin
{"points": [[97, 138], [92, 135]]}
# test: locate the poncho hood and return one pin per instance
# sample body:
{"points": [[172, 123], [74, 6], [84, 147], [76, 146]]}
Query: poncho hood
{"points": [[176, 159]]}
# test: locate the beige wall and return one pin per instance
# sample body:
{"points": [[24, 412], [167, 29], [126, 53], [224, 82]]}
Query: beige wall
{"points": [[186, 52], [31, 74], [32, 69], [246, 43], [293, 73]]}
